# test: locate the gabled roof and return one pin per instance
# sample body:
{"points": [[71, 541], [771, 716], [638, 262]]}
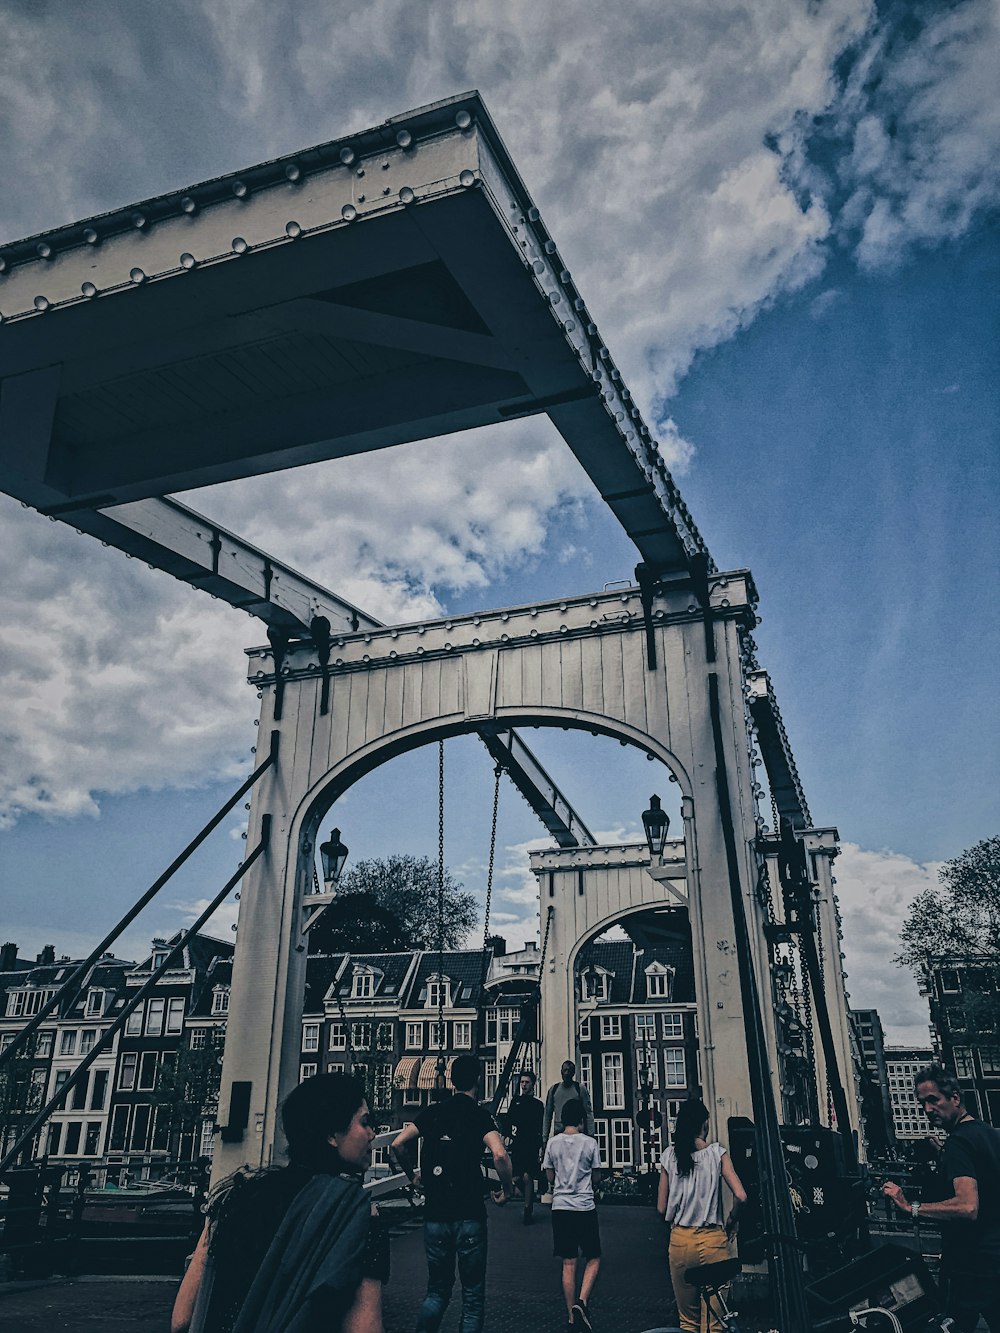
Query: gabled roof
{"points": [[463, 966], [614, 957]]}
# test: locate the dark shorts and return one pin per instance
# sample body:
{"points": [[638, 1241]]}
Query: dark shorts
{"points": [[524, 1159], [575, 1233]]}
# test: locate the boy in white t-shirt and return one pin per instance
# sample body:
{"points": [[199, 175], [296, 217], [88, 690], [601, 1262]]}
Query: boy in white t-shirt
{"points": [[571, 1161]]}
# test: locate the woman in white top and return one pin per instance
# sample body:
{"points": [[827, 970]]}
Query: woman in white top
{"points": [[690, 1198]]}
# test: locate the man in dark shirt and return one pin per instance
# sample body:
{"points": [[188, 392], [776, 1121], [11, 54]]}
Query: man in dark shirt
{"points": [[970, 1217], [454, 1133], [524, 1122]]}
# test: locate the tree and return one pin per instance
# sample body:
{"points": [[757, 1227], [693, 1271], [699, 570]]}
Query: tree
{"points": [[959, 920], [187, 1090], [395, 898]]}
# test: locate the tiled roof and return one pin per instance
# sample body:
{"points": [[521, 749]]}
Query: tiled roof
{"points": [[321, 970], [393, 967], [674, 953], [616, 957], [219, 973], [464, 966]]}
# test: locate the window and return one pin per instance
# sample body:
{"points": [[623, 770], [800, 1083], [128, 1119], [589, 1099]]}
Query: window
{"points": [[614, 1081], [27, 1003], [595, 984], [73, 1130], [989, 1058], [127, 1070], [43, 1044], [36, 1089], [950, 984], [658, 983], [585, 1028], [78, 1097], [672, 1026], [621, 1143], [656, 1148], [601, 1135], [415, 1036], [646, 1061], [490, 1085], [158, 959], [363, 986], [310, 1036], [140, 1129], [587, 1073], [155, 1009], [462, 1036], [361, 1036], [133, 1025], [645, 1027], [674, 1072], [437, 1036], [382, 1090], [336, 1068], [338, 1037], [67, 1043], [611, 1027], [383, 1037], [964, 1067], [92, 1139], [199, 1039], [62, 1076], [438, 993], [95, 1003], [99, 1090], [220, 1000], [175, 1014], [306, 1071], [207, 1138], [147, 1071], [55, 1137], [87, 1038], [119, 1129]]}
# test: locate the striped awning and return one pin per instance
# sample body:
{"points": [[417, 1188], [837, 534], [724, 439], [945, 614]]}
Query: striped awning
{"points": [[406, 1072], [428, 1073]]}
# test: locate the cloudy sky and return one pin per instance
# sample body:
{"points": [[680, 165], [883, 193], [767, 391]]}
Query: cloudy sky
{"points": [[783, 216]]}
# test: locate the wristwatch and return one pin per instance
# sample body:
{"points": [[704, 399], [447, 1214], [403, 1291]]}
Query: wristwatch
{"points": [[915, 1211]]}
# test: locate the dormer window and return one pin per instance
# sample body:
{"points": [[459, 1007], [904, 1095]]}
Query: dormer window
{"points": [[659, 981], [438, 993], [159, 958], [95, 1003], [220, 1000], [362, 986], [595, 984]]}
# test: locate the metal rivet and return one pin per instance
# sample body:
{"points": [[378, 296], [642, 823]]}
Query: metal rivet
{"points": [[406, 195], [43, 250], [3, 265], [292, 171], [139, 220], [549, 247], [293, 230], [188, 260], [188, 205], [136, 275], [41, 303], [347, 156], [349, 213], [463, 120], [90, 236], [533, 215], [89, 289], [239, 245], [404, 138], [240, 189], [466, 178]]}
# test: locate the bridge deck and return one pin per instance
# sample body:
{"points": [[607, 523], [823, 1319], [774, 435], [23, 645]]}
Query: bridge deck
{"points": [[633, 1292]]}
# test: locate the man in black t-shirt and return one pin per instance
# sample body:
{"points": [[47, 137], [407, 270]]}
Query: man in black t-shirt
{"points": [[454, 1133], [970, 1217], [524, 1123]]}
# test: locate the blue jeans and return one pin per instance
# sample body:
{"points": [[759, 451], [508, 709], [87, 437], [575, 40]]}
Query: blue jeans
{"points": [[445, 1242]]}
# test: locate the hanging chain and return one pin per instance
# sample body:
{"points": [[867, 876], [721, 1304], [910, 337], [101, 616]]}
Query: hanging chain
{"points": [[497, 772], [439, 1077]]}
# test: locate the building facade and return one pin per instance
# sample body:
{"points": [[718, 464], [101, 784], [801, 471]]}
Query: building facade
{"points": [[909, 1122], [964, 998]]}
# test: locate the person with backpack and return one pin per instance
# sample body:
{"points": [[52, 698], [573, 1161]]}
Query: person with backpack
{"points": [[559, 1094], [571, 1161], [970, 1216], [454, 1133]]}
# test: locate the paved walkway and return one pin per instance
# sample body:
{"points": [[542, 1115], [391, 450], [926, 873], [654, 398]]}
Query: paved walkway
{"points": [[633, 1292]]}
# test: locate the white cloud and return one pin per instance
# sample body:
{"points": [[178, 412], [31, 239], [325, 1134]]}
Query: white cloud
{"points": [[875, 889]]}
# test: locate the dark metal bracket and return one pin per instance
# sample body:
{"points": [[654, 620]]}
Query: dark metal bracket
{"points": [[648, 578], [319, 632], [700, 585]]}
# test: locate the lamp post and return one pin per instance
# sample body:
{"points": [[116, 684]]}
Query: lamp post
{"points": [[333, 855], [656, 822]]}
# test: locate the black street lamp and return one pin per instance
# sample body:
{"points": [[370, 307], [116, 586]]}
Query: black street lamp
{"points": [[656, 822], [333, 854]]}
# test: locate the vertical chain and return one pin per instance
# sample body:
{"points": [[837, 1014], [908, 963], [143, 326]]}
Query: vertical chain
{"points": [[498, 771], [440, 922]]}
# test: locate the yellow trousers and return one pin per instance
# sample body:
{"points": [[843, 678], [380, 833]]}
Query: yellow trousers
{"points": [[690, 1246]]}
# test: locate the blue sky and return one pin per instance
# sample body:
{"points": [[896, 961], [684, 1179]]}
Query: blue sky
{"points": [[784, 217]]}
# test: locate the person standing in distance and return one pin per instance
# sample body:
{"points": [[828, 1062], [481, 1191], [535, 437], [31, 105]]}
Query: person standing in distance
{"points": [[690, 1198], [970, 1217], [559, 1094], [524, 1120], [454, 1133], [571, 1161]]}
